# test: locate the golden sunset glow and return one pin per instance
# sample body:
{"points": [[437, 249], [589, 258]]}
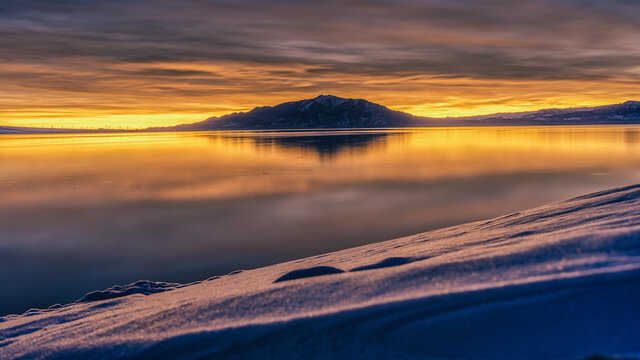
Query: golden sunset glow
{"points": [[121, 65], [442, 97]]}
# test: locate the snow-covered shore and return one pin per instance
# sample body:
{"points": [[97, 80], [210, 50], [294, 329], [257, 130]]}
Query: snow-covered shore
{"points": [[560, 281]]}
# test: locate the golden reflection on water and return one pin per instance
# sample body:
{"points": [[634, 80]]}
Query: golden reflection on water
{"points": [[214, 165]]}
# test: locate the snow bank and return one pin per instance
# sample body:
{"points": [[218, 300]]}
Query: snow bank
{"points": [[558, 282]]}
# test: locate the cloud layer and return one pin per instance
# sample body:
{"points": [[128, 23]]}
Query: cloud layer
{"points": [[132, 62]]}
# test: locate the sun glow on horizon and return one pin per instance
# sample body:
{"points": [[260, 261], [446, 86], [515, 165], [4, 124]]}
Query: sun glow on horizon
{"points": [[87, 119], [106, 121], [434, 98], [138, 102]]}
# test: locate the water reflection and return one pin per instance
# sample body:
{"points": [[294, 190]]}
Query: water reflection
{"points": [[81, 212], [327, 145]]}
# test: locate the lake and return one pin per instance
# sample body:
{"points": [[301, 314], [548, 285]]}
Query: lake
{"points": [[81, 212]]}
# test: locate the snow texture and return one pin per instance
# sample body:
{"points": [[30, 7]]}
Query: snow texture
{"points": [[557, 282], [144, 287]]}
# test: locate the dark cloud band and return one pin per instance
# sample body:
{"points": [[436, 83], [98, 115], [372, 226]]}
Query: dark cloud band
{"points": [[89, 45]]}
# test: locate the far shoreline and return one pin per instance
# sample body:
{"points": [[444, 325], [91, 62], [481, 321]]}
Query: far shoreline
{"points": [[6, 130]]}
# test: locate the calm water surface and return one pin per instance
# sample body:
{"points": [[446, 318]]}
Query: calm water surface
{"points": [[84, 212]]}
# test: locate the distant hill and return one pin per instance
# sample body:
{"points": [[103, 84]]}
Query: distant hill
{"points": [[322, 112], [625, 113]]}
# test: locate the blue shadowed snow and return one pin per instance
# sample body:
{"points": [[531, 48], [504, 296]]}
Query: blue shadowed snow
{"points": [[557, 282], [388, 262], [144, 287], [306, 273]]}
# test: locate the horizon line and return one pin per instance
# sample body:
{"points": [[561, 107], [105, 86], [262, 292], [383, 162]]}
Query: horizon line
{"points": [[320, 95]]}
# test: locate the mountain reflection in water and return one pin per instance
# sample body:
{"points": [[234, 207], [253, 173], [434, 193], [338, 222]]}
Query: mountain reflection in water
{"points": [[326, 145]]}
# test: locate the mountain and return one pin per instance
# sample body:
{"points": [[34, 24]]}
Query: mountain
{"points": [[322, 112], [332, 112], [625, 113]]}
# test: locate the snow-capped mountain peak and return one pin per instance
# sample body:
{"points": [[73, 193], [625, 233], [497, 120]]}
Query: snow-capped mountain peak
{"points": [[329, 100]]}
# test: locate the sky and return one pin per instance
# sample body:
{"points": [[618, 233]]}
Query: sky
{"points": [[133, 63]]}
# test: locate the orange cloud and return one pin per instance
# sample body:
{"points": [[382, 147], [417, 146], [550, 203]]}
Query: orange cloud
{"points": [[128, 64]]}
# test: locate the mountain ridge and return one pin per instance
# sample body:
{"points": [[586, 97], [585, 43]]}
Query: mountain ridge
{"points": [[627, 112], [333, 112], [360, 113], [321, 112]]}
